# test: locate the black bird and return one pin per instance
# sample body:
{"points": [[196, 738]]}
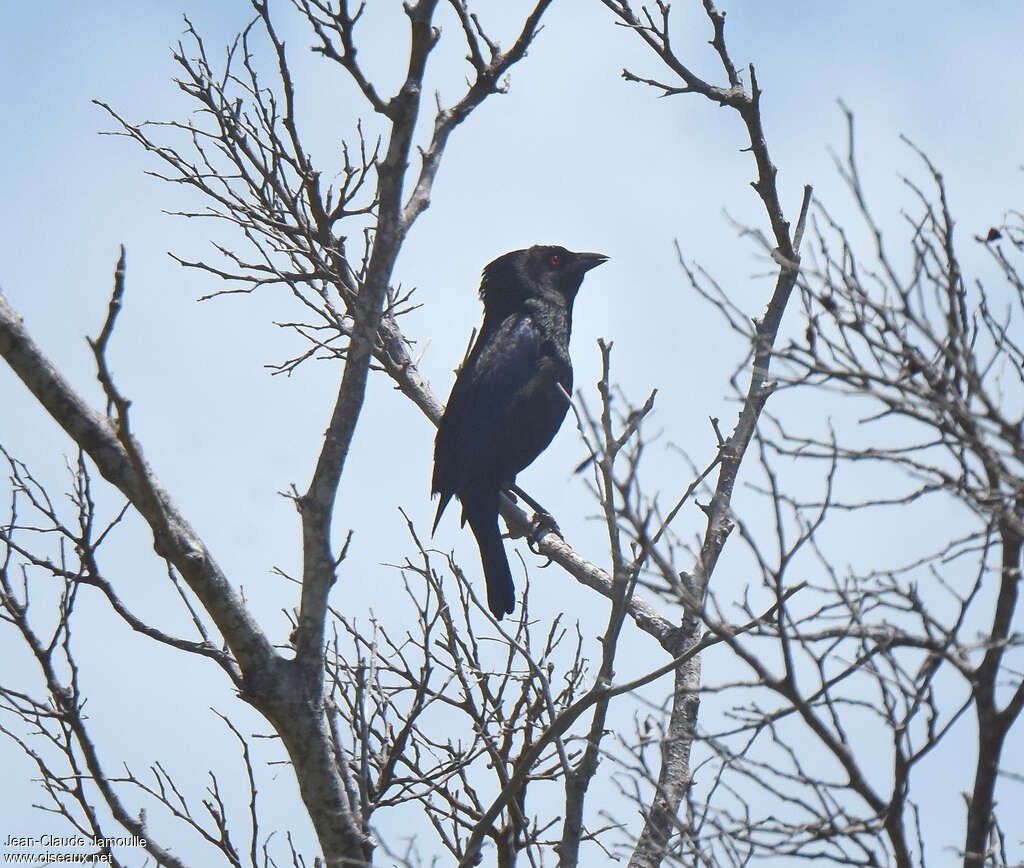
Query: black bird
{"points": [[509, 398]]}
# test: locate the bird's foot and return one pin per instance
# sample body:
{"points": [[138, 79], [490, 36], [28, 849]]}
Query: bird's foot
{"points": [[541, 525]]}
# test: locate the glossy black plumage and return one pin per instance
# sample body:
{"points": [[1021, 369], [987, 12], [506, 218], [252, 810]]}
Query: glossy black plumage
{"points": [[509, 398]]}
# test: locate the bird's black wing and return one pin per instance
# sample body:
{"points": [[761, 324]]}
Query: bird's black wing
{"points": [[499, 415]]}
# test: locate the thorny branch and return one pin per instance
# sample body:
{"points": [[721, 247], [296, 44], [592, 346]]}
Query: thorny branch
{"points": [[882, 664], [654, 30]]}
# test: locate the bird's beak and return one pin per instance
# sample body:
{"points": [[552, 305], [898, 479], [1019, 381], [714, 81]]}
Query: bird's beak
{"points": [[586, 261]]}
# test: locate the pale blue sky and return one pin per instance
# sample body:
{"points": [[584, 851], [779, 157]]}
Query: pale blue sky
{"points": [[572, 155]]}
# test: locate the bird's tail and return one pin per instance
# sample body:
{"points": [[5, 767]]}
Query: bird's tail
{"points": [[501, 592]]}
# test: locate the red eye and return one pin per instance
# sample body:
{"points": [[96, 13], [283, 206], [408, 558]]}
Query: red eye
{"points": [[555, 261]]}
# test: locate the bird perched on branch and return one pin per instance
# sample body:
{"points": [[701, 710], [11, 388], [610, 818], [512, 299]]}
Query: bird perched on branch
{"points": [[510, 396]]}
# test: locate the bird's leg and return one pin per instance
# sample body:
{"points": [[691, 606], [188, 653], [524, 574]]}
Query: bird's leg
{"points": [[543, 522]]}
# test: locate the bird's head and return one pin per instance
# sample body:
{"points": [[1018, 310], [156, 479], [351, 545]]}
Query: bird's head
{"points": [[541, 270]]}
